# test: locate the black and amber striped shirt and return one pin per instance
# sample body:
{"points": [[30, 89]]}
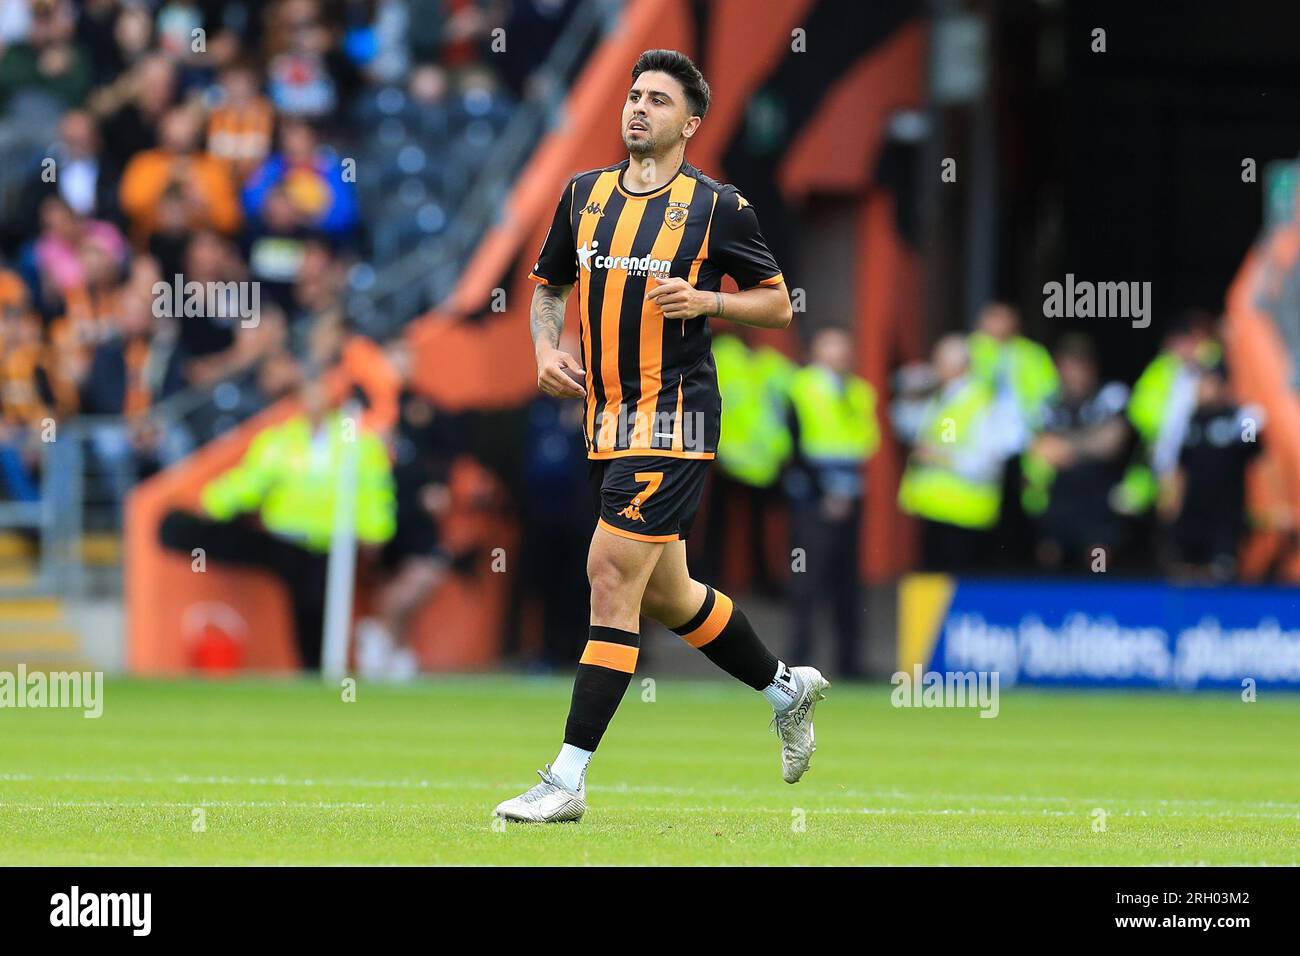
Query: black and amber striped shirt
{"points": [[652, 387]]}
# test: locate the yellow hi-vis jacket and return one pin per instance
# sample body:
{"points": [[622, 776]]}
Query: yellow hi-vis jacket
{"points": [[291, 478], [754, 440], [1031, 373], [965, 490], [835, 425]]}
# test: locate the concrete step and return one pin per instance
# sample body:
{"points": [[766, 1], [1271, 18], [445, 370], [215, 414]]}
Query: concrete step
{"points": [[46, 663], [33, 609], [16, 547], [28, 641]]}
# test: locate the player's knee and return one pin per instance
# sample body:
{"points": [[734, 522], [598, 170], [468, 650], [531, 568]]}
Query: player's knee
{"points": [[607, 579]]}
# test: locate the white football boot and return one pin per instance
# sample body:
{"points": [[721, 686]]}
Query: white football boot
{"points": [[547, 802], [795, 726]]}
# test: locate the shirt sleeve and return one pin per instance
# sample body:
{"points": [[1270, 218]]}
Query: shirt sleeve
{"points": [[737, 245], [557, 264]]}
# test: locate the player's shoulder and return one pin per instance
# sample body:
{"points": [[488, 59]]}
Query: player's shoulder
{"points": [[588, 175], [729, 196]]}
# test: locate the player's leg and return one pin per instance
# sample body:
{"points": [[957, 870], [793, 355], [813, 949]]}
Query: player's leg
{"points": [[708, 620], [617, 569], [623, 553]]}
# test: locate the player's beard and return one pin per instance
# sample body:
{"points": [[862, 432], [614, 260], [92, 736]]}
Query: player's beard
{"points": [[652, 145]]}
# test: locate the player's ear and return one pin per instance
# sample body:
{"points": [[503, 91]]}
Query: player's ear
{"points": [[691, 126]]}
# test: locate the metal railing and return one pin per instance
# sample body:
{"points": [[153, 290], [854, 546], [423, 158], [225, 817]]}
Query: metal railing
{"points": [[55, 519]]}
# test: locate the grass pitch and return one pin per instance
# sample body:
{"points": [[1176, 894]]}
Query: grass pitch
{"points": [[285, 772]]}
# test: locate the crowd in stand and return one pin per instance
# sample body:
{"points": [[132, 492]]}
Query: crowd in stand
{"points": [[223, 143]]}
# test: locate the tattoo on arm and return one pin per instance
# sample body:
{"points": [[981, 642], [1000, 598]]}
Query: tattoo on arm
{"points": [[546, 318], [718, 299]]}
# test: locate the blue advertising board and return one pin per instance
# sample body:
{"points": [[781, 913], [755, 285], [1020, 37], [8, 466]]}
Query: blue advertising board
{"points": [[1094, 633]]}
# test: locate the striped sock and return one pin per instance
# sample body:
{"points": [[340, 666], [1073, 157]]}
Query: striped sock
{"points": [[724, 635], [604, 672]]}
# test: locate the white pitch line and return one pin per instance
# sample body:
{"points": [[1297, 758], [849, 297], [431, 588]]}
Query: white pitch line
{"points": [[845, 810], [280, 781], [784, 811]]}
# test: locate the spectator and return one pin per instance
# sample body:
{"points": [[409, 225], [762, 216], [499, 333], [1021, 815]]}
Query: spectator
{"points": [[221, 342], [76, 174], [49, 60], [553, 570], [428, 91], [277, 244], [66, 244], [1163, 399], [316, 297], [241, 125], [952, 481], [1019, 370], [179, 167], [289, 477], [97, 33], [25, 397], [313, 180], [131, 109], [1075, 461], [380, 46], [308, 76], [833, 432], [414, 561], [89, 315], [129, 372], [754, 444], [1205, 497]]}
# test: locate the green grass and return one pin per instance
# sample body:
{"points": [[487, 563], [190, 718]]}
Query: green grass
{"points": [[287, 773]]}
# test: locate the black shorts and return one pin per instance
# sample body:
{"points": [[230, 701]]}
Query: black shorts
{"points": [[647, 497], [416, 536]]}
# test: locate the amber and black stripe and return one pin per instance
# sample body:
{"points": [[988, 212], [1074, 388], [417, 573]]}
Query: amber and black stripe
{"points": [[724, 635], [604, 672], [646, 372]]}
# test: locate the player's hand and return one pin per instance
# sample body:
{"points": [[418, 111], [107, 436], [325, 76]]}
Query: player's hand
{"points": [[559, 375], [680, 300]]}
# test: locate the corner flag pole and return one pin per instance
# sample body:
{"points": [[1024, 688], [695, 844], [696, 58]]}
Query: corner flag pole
{"points": [[341, 574]]}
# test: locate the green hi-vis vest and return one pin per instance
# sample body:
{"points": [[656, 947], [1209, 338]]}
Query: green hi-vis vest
{"points": [[1031, 371], [1147, 408], [754, 440], [292, 482], [835, 424], [940, 494], [1149, 403], [1038, 475]]}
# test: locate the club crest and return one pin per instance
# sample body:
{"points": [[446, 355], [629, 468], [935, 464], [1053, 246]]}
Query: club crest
{"points": [[676, 214]]}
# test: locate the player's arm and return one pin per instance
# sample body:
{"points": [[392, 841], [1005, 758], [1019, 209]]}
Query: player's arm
{"points": [[737, 247], [762, 307], [558, 373], [546, 320]]}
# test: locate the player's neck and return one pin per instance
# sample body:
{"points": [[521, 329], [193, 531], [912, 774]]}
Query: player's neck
{"points": [[645, 174]]}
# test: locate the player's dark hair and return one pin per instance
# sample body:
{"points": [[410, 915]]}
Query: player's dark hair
{"points": [[680, 68]]}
